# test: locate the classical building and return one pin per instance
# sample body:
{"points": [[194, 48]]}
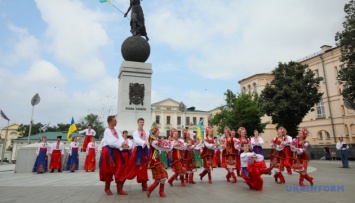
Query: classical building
{"points": [[331, 118], [169, 114], [11, 134]]}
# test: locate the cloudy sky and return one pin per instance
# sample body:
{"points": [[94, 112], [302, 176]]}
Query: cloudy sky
{"points": [[68, 51]]}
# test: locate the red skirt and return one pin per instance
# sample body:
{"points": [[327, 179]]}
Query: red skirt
{"points": [[208, 161], [217, 159], [56, 160], [228, 161], [277, 158], [158, 170], [107, 167], [86, 142], [237, 162], [177, 167], [90, 161], [300, 162]]}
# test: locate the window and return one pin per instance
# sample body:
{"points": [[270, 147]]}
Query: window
{"points": [[320, 135], [167, 133], [249, 89], [168, 120], [316, 73], [254, 85], [157, 119], [201, 118], [187, 121], [168, 108], [327, 134], [346, 130], [320, 109], [194, 120], [179, 120], [244, 90]]}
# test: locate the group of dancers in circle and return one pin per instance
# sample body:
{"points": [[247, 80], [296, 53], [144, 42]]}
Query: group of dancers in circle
{"points": [[120, 160]]}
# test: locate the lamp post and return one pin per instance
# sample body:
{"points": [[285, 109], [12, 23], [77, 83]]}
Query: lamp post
{"points": [[7, 129], [34, 101]]}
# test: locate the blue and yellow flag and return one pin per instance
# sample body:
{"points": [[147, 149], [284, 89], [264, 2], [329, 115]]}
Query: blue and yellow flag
{"points": [[72, 129], [103, 1], [200, 133]]}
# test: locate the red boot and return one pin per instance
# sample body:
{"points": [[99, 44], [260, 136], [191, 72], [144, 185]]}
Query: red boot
{"points": [[107, 188], [204, 172], [266, 171], [182, 178], [171, 179], [289, 171], [191, 178], [234, 179], [120, 189], [228, 176], [276, 176], [209, 178], [161, 190], [309, 179], [144, 186], [301, 180], [152, 187], [187, 177], [282, 179], [238, 173]]}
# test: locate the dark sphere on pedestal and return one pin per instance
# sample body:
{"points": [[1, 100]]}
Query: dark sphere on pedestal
{"points": [[135, 48]]}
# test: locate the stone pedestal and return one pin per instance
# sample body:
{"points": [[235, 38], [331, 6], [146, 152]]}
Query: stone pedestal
{"points": [[134, 95]]}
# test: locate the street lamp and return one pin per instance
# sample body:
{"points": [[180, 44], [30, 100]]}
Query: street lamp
{"points": [[35, 100], [7, 129]]}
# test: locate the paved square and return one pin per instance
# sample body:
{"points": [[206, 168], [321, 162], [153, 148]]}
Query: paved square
{"points": [[86, 187]]}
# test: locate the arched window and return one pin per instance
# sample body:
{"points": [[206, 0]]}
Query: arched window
{"points": [[249, 89], [346, 129], [254, 86], [320, 134], [327, 134], [244, 90]]}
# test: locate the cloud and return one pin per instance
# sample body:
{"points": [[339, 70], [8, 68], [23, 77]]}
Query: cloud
{"points": [[226, 39], [76, 35], [26, 46]]}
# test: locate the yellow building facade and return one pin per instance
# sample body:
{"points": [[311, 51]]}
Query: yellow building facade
{"points": [[331, 118]]}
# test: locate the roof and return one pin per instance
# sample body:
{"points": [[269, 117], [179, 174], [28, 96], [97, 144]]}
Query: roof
{"points": [[165, 100], [50, 136]]}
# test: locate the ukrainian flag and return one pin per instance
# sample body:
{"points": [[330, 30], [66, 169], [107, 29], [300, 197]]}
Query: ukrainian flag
{"points": [[200, 133], [72, 129], [103, 1]]}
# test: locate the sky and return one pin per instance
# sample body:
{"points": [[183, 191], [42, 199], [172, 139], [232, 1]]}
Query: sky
{"points": [[69, 51]]}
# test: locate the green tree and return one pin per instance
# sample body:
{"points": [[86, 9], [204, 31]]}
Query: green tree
{"points": [[346, 41], [240, 111], [290, 96], [23, 129], [96, 123]]}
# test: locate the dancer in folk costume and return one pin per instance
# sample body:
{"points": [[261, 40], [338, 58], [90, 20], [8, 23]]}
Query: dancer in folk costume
{"points": [[90, 160], [57, 153], [242, 132], [253, 166], [278, 154], [300, 157], [42, 151], [73, 159], [257, 143], [207, 154], [126, 149], [288, 153], [198, 147], [216, 156], [189, 158], [137, 165], [230, 147], [177, 158], [110, 159], [89, 134], [154, 163]]}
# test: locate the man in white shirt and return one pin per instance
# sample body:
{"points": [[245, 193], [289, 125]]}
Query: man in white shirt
{"points": [[89, 134], [343, 149]]}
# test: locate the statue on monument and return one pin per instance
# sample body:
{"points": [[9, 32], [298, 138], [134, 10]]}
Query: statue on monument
{"points": [[137, 19]]}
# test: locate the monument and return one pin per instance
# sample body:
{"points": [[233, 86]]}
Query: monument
{"points": [[135, 76]]}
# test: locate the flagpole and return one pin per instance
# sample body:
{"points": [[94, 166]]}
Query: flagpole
{"points": [[118, 9]]}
